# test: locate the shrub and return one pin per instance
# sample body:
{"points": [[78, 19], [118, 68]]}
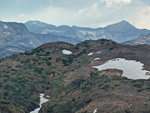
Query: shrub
{"points": [[29, 53], [6, 94], [88, 101], [138, 85], [58, 59], [65, 62], [0, 84], [105, 87], [47, 53], [73, 99], [4, 102], [111, 48], [49, 58], [71, 58], [48, 63]]}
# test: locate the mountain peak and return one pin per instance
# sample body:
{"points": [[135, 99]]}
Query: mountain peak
{"points": [[123, 25], [124, 21]]}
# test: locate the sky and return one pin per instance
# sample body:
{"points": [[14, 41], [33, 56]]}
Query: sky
{"points": [[86, 13]]}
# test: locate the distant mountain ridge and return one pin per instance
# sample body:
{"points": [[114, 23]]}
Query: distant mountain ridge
{"points": [[16, 38], [140, 40], [119, 32]]}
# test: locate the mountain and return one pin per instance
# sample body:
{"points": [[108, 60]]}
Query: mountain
{"points": [[67, 76], [139, 41], [16, 38], [119, 32]]}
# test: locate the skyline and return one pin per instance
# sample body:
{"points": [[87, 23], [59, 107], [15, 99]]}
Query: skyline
{"points": [[84, 13]]}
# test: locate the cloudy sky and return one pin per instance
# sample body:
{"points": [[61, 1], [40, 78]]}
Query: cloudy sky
{"points": [[90, 13]]}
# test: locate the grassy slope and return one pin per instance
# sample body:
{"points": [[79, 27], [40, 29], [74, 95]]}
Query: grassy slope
{"points": [[70, 81]]}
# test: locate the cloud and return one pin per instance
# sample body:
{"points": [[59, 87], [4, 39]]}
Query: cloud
{"points": [[21, 15], [90, 13], [104, 24], [141, 18], [59, 15], [111, 3]]}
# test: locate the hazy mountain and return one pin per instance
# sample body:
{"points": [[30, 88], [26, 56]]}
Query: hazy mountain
{"points": [[140, 40], [70, 82], [15, 38], [119, 32]]}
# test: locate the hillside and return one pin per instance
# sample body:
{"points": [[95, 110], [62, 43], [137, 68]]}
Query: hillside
{"points": [[64, 73], [119, 32]]}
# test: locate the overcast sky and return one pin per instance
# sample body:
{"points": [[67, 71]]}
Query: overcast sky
{"points": [[90, 13]]}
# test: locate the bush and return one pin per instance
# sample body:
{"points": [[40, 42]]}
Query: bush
{"points": [[138, 85], [6, 94], [38, 70], [65, 62], [93, 75], [69, 60], [111, 48], [58, 59], [48, 63], [0, 84], [105, 87], [4, 102], [49, 58], [73, 99], [47, 54], [88, 101]]}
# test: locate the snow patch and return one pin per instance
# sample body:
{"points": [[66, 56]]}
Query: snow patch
{"points": [[131, 68], [6, 33], [96, 59], [51, 31], [95, 111], [15, 50], [5, 26], [66, 52], [21, 43], [42, 101], [47, 96], [31, 42], [99, 52], [90, 54], [9, 49], [88, 32]]}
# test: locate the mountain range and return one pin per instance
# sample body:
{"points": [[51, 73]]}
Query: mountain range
{"points": [[140, 40], [63, 69], [119, 32], [16, 38], [66, 75]]}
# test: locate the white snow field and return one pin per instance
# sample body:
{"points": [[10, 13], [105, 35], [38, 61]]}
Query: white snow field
{"points": [[66, 52], [90, 54], [131, 68], [95, 60], [95, 111]]}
